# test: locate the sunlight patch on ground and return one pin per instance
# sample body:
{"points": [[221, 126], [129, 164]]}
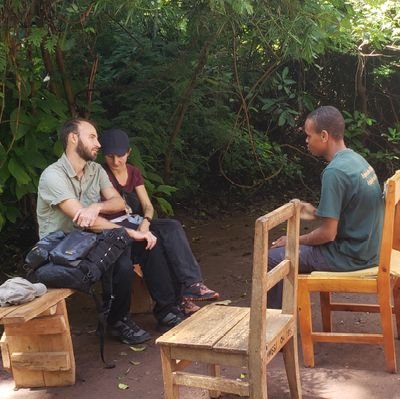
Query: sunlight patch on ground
{"points": [[7, 391]]}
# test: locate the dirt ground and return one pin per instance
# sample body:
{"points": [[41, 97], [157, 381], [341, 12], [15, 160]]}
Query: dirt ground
{"points": [[223, 246]]}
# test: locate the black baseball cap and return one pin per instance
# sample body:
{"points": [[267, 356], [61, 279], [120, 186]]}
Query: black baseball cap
{"points": [[114, 142]]}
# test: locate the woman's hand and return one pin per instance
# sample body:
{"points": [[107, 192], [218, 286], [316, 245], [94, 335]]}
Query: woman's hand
{"points": [[144, 227], [146, 236]]}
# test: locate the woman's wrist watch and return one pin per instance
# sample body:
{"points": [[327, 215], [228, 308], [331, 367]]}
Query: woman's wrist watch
{"points": [[148, 218]]}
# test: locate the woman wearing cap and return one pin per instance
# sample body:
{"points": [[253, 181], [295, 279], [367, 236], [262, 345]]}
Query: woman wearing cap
{"points": [[170, 269]]}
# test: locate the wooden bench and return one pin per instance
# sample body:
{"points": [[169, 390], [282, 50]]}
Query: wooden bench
{"points": [[141, 301], [36, 345]]}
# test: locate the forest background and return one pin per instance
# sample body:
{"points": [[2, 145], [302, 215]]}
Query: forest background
{"points": [[213, 94]]}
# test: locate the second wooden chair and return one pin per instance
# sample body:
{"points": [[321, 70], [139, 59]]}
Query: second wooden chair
{"points": [[239, 336]]}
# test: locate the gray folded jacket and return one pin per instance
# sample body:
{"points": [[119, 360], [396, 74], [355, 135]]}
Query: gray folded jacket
{"points": [[18, 290]]}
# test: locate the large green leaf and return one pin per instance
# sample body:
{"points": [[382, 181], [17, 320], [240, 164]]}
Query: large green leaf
{"points": [[20, 123], [23, 189], [18, 171], [12, 214], [4, 174], [165, 206]]}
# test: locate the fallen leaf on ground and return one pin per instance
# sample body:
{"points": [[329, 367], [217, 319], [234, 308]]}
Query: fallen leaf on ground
{"points": [[123, 386], [226, 302], [138, 348], [134, 363]]}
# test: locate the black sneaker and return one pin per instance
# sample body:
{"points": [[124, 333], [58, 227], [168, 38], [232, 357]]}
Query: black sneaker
{"points": [[128, 332], [170, 320]]}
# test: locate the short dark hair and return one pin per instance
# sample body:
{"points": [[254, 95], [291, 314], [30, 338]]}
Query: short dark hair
{"points": [[71, 126], [328, 118]]}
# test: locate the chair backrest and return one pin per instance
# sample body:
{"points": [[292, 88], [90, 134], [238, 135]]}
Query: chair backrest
{"points": [[287, 270], [391, 226]]}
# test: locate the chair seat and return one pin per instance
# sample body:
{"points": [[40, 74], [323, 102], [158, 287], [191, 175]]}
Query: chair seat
{"points": [[370, 272], [224, 329]]}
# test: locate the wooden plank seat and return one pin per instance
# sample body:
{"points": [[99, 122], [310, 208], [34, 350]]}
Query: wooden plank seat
{"points": [[247, 337], [36, 345]]}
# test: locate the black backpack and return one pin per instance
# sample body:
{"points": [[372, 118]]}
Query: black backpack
{"points": [[78, 260]]}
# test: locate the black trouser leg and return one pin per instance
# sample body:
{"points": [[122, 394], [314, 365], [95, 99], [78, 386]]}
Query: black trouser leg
{"points": [[177, 249], [161, 283], [122, 287]]}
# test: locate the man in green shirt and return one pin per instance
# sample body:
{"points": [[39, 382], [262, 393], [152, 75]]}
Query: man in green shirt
{"points": [[350, 210], [69, 195]]}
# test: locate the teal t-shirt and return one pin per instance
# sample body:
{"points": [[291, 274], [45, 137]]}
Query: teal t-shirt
{"points": [[352, 195]]}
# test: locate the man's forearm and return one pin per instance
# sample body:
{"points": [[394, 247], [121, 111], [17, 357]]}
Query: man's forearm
{"points": [[112, 205], [316, 237], [101, 224]]}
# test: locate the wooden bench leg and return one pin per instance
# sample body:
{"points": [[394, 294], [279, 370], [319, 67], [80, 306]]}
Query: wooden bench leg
{"points": [[40, 350], [215, 371], [141, 301], [5, 353]]}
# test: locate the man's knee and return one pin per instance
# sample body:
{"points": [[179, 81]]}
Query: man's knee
{"points": [[275, 255], [123, 268]]}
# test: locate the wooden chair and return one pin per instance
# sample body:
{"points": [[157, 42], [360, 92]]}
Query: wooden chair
{"points": [[376, 280], [239, 336]]}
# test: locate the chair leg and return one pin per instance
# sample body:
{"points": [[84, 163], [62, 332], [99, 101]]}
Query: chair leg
{"points": [[387, 330], [290, 357], [305, 323], [396, 305], [171, 391], [214, 370], [258, 379], [325, 301]]}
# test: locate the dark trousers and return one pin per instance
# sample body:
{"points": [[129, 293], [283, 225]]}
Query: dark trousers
{"points": [[310, 259], [122, 287], [169, 266]]}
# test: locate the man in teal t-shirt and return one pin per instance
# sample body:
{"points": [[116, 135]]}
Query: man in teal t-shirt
{"points": [[350, 210]]}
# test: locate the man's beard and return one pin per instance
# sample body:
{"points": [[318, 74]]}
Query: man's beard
{"points": [[84, 152]]}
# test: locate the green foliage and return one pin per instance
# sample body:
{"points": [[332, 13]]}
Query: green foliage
{"points": [[375, 23], [393, 134], [155, 187], [356, 131]]}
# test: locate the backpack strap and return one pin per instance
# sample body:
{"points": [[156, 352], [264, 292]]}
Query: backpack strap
{"points": [[103, 309]]}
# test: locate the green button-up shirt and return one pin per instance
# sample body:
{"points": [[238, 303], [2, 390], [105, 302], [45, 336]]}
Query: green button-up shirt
{"points": [[58, 183]]}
